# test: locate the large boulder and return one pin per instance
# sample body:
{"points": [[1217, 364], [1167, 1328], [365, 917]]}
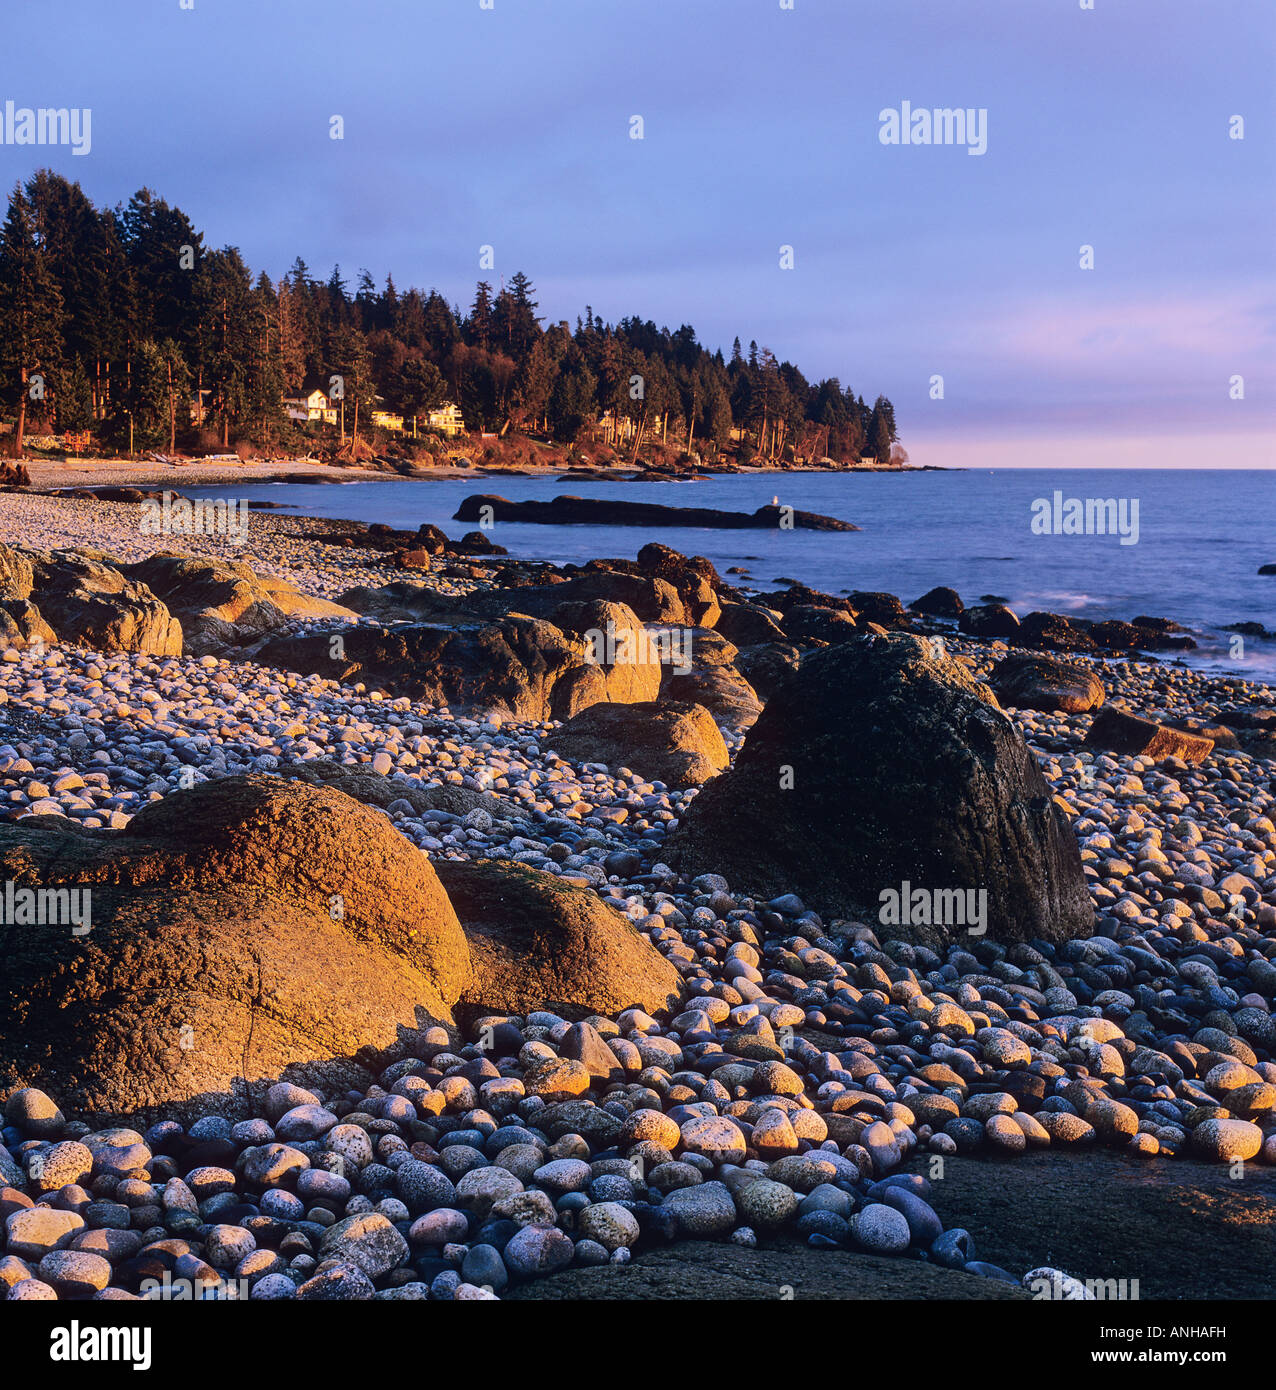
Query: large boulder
{"points": [[539, 943], [88, 602], [940, 602], [671, 741], [1045, 682], [881, 763], [519, 666], [223, 602], [246, 930]]}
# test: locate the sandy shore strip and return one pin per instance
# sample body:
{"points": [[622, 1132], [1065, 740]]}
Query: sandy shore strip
{"points": [[198, 472]]}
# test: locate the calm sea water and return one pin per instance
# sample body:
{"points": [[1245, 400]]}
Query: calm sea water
{"points": [[1201, 537]]}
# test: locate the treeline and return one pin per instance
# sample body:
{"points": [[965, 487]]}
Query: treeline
{"points": [[111, 319]]}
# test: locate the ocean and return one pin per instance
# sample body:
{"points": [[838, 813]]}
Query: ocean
{"points": [[1201, 537]]}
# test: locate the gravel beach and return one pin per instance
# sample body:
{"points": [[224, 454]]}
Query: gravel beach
{"points": [[962, 1114]]}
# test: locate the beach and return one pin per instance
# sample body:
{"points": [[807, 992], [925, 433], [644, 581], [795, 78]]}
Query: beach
{"points": [[740, 1065]]}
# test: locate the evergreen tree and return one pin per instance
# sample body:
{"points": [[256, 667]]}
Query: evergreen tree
{"points": [[30, 317]]}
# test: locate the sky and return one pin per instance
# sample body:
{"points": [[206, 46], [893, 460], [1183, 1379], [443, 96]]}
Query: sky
{"points": [[511, 127]]}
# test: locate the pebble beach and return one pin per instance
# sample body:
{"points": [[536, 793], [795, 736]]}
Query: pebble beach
{"points": [[810, 1086]]}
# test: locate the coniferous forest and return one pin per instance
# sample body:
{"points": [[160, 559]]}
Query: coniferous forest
{"points": [[114, 320]]}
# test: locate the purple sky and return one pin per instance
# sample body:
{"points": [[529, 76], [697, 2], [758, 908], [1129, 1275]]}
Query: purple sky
{"points": [[510, 127]]}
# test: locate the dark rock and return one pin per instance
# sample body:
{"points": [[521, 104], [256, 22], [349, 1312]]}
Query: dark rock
{"points": [[939, 603], [568, 510], [989, 620], [881, 762], [748, 624], [1053, 632], [1044, 682]]}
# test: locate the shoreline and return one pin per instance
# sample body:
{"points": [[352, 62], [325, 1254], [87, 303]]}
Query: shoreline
{"points": [[87, 472]]}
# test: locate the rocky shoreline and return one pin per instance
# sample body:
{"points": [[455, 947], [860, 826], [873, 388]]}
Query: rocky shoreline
{"points": [[499, 1104]]}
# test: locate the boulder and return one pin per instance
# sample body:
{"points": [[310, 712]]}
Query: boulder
{"points": [[536, 942], [711, 679], [694, 577], [244, 931], [748, 624], [883, 762], [17, 577], [808, 623], [22, 623], [989, 620], [1045, 682], [1052, 632], [871, 606], [223, 602], [672, 741], [89, 603], [1119, 731], [519, 666], [939, 603], [765, 666], [652, 600]]}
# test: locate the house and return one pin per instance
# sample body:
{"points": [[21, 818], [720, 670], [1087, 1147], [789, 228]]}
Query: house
{"points": [[385, 419], [447, 419], [199, 405], [311, 406]]}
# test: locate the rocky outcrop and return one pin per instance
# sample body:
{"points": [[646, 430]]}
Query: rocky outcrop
{"points": [[1119, 731], [538, 943], [883, 763], [748, 624], [568, 510], [1044, 682], [805, 623], [672, 742], [90, 603], [654, 600], [1052, 632], [767, 665], [244, 930], [519, 666], [221, 603], [708, 677]]}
